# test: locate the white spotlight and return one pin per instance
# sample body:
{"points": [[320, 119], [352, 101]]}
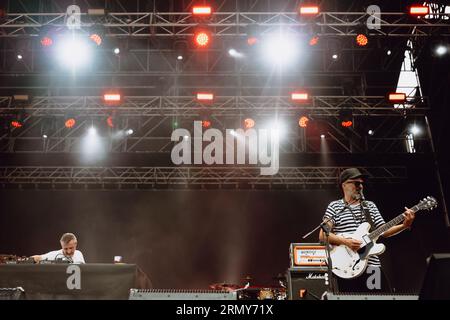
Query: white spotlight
{"points": [[234, 53], [130, 131], [322, 136], [280, 49], [73, 52], [19, 57], [415, 130], [389, 52], [44, 136], [370, 132], [441, 50], [116, 50], [335, 56], [180, 57], [92, 131]]}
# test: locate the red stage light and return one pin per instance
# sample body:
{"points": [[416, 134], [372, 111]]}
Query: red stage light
{"points": [[309, 10], [46, 41], [203, 96], [249, 123], [252, 40], [70, 123], [362, 40], [206, 123], [299, 96], [110, 122], [303, 121], [96, 38], [201, 38], [419, 10], [112, 97], [347, 123], [314, 40], [397, 97], [201, 11], [16, 123]]}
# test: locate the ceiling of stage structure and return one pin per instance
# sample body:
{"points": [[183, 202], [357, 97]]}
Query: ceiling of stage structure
{"points": [[340, 78]]}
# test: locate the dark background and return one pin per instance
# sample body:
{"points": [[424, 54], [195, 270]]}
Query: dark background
{"points": [[191, 239]]}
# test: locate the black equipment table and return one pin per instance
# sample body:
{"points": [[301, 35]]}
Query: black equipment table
{"points": [[73, 281]]}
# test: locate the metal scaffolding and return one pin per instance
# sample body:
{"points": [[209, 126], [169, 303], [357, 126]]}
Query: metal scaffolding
{"points": [[184, 177], [152, 120], [224, 24]]}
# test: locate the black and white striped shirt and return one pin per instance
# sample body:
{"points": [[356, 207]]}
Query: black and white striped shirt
{"points": [[348, 218]]}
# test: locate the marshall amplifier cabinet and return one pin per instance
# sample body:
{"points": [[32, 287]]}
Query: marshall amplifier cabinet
{"points": [[306, 285]]}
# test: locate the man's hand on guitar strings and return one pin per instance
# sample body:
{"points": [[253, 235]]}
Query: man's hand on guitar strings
{"points": [[409, 218]]}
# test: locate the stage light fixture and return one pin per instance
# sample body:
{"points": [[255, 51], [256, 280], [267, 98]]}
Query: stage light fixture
{"points": [[202, 38], [346, 118], [440, 50], [314, 40], [361, 40], [205, 96], [73, 52], [46, 41], [21, 98], [415, 130], [370, 132], [201, 10], [19, 56], [206, 123], [129, 132], [322, 136], [110, 121], [16, 123], [308, 10], [419, 10], [70, 122], [397, 97], [45, 36], [303, 122], [249, 123], [299, 96], [116, 51], [96, 38], [92, 131], [280, 48], [253, 34], [112, 97], [96, 12]]}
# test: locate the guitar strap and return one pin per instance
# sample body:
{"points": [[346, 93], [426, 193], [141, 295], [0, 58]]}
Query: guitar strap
{"points": [[365, 211], [367, 214]]}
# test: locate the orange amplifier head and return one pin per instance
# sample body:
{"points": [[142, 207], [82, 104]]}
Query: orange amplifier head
{"points": [[308, 256]]}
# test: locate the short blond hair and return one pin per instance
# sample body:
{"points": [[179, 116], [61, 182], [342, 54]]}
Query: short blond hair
{"points": [[67, 237]]}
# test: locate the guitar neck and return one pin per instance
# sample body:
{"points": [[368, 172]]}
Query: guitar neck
{"points": [[379, 231]]}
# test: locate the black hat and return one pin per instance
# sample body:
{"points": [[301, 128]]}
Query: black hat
{"points": [[351, 173]]}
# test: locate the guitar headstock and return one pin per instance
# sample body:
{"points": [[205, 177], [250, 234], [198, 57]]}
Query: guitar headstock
{"points": [[428, 203]]}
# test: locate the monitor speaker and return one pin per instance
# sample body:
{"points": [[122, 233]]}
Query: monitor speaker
{"points": [[436, 283]]}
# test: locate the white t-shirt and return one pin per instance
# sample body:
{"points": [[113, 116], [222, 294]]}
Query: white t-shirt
{"points": [[58, 254]]}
